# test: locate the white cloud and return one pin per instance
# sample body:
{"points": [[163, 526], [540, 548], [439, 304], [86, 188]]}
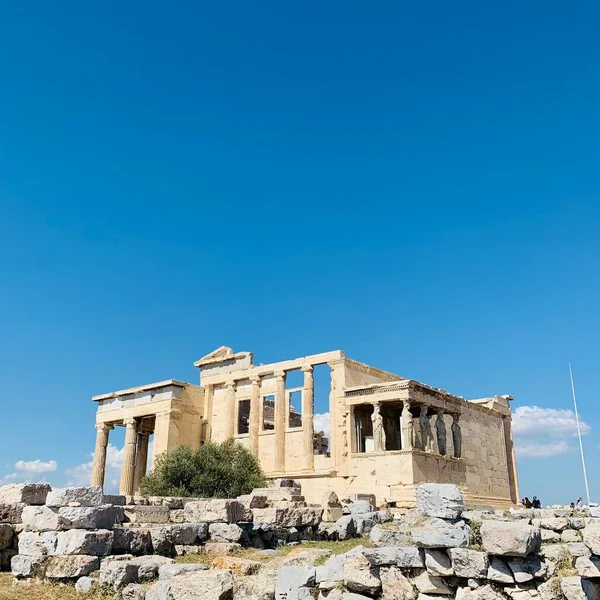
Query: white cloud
{"points": [[36, 466], [544, 432], [322, 422], [82, 474]]}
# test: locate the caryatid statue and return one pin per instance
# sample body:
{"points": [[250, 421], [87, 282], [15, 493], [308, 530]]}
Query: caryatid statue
{"points": [[440, 430], [426, 437], [378, 430], [407, 427], [456, 435]]}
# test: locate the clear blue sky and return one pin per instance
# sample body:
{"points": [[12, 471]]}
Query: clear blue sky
{"points": [[416, 184]]}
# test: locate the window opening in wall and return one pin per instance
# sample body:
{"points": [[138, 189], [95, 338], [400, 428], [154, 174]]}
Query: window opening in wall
{"points": [[268, 412], [243, 416], [295, 408], [294, 379], [364, 427]]}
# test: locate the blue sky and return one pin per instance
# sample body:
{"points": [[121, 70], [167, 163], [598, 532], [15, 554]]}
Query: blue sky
{"points": [[416, 185]]}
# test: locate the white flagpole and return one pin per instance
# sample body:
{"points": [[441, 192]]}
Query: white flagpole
{"points": [[587, 489]]}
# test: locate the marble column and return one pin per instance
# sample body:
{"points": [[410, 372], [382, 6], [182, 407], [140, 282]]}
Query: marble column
{"points": [[511, 464], [441, 434], [141, 460], [408, 435], [254, 426], [128, 468], [280, 421], [308, 424], [208, 408], [99, 464], [229, 416], [456, 435]]}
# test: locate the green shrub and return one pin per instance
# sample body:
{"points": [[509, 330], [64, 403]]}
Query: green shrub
{"points": [[225, 470]]}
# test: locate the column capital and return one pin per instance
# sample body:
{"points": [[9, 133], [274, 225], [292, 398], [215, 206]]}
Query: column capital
{"points": [[455, 417], [255, 380], [230, 385], [406, 404], [129, 422], [104, 427], [424, 408], [279, 374], [439, 412], [307, 369]]}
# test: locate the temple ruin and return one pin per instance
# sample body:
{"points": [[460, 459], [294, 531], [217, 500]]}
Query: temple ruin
{"points": [[387, 434]]}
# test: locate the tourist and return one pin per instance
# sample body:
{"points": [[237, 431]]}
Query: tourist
{"points": [[579, 502], [572, 505], [527, 502], [536, 503]]}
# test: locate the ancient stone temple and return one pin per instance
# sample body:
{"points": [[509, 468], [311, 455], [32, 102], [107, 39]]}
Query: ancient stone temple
{"points": [[387, 434]]}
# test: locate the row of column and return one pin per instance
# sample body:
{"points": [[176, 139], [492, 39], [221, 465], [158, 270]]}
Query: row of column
{"points": [[425, 440], [135, 456], [280, 416]]}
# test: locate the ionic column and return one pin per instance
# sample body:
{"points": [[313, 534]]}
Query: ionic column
{"points": [[511, 464], [141, 460], [208, 409], [99, 464], [128, 468], [229, 415], [254, 415], [407, 427], [280, 425], [308, 424]]}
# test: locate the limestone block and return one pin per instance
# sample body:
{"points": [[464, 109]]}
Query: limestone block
{"points": [[214, 584], [570, 535], [253, 500], [555, 554], [113, 499], [89, 517], [36, 543], [591, 537], [575, 588], [365, 522], [588, 566], [289, 517], [510, 538], [441, 500], [70, 567], [186, 534], [169, 571], [550, 590], [42, 518], [118, 573], [148, 566], [177, 516], [438, 563], [576, 522], [80, 541], [256, 587], [522, 592], [555, 524], [395, 586], [27, 493], [486, 592], [578, 549], [181, 550], [160, 591], [11, 513], [133, 591], [499, 571], [360, 576], [404, 557], [388, 535], [292, 583], [345, 527], [85, 584], [162, 541], [6, 536], [220, 548], [131, 541], [28, 566], [334, 568], [214, 511], [526, 569], [550, 537], [428, 584], [522, 513], [360, 507], [224, 532], [438, 533], [74, 496], [147, 514], [239, 566], [469, 563]]}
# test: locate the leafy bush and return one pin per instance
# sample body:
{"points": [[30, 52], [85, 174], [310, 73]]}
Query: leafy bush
{"points": [[225, 470]]}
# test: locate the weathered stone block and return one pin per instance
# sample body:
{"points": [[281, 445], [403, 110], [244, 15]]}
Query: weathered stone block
{"points": [[578, 549], [403, 557], [12, 513], [388, 535], [438, 563], [220, 548], [554, 523], [186, 534], [6, 536], [292, 583], [224, 532], [345, 527], [147, 514], [394, 585], [289, 517], [35, 543], [239, 566], [80, 541], [576, 588], [28, 566], [90, 517], [570, 535], [27, 493], [162, 541], [160, 591], [360, 576], [85, 584], [469, 563], [113, 499], [42, 518], [439, 533], [118, 573], [510, 538], [148, 566], [74, 496], [214, 584], [499, 571], [214, 511], [428, 584], [555, 554], [526, 569], [588, 566], [169, 571], [133, 591], [591, 537], [441, 500], [70, 567]]}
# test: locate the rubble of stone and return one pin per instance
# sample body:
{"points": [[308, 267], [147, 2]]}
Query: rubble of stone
{"points": [[438, 550]]}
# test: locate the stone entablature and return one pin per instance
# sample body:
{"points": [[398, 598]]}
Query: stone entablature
{"points": [[387, 433]]}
